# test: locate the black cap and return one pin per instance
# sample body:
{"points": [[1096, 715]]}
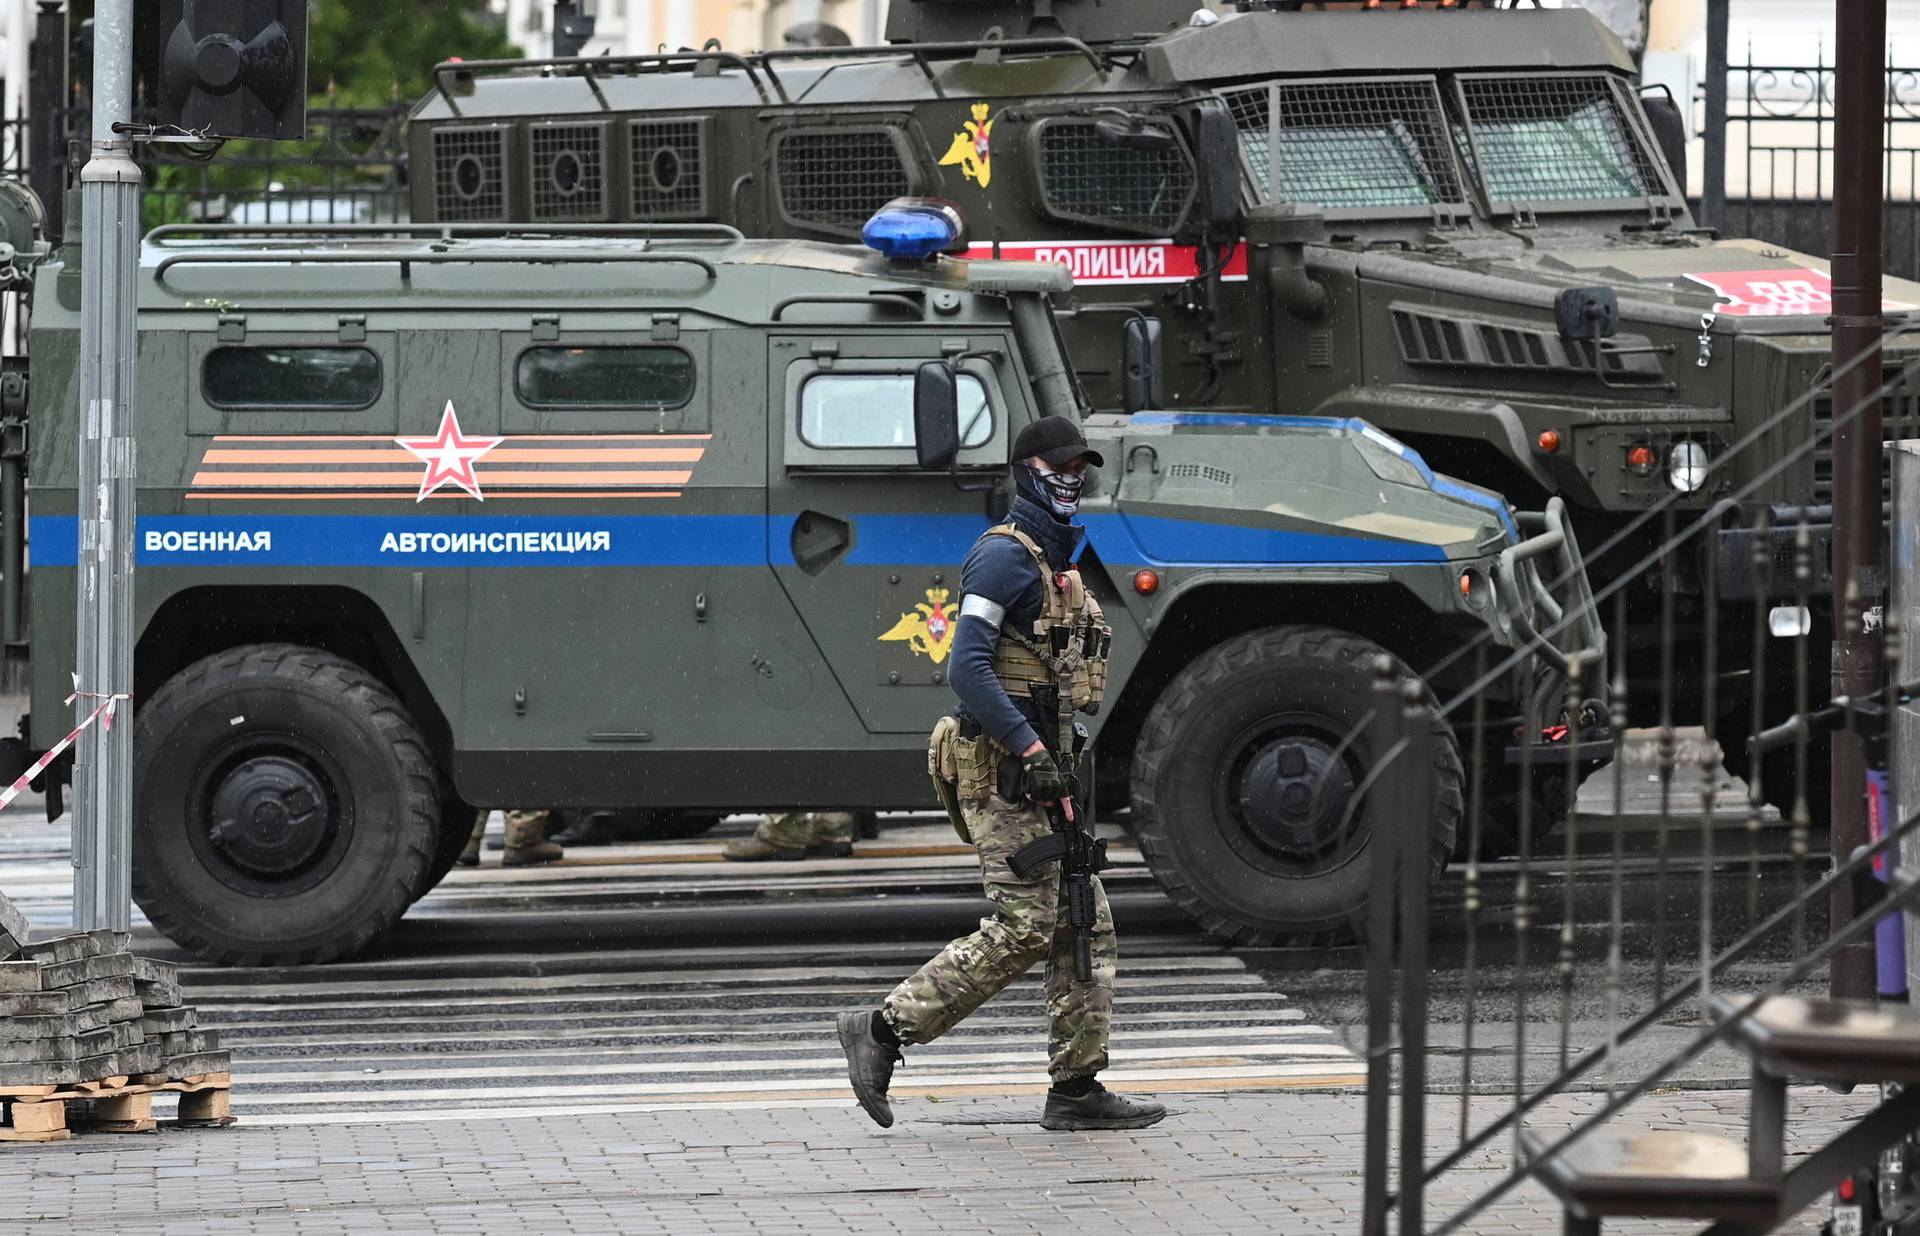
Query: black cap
{"points": [[1056, 439]]}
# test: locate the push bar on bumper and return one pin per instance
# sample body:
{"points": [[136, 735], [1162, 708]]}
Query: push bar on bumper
{"points": [[1573, 635]]}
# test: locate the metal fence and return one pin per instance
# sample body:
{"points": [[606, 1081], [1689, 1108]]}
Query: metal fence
{"points": [[1780, 159], [350, 169]]}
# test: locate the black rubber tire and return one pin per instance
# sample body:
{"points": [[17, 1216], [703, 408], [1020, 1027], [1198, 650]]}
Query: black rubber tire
{"points": [[456, 826], [384, 822], [1202, 862]]}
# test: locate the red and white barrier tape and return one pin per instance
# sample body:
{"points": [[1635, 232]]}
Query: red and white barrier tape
{"points": [[103, 713]]}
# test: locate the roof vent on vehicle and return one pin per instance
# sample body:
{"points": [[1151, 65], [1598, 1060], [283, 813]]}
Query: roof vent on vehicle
{"points": [[469, 172], [1090, 176], [834, 179], [566, 168], [668, 161], [1429, 338]]}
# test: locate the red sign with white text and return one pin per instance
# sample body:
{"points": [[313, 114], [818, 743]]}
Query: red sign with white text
{"points": [[1116, 261], [1775, 293]]}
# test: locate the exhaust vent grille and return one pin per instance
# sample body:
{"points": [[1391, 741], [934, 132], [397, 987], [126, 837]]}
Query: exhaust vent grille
{"points": [[567, 169], [669, 169], [469, 173]]}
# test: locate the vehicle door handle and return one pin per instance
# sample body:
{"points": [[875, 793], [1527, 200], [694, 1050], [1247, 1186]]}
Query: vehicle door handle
{"points": [[819, 540]]}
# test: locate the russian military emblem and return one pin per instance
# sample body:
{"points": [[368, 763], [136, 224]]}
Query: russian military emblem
{"points": [[928, 627], [972, 148]]}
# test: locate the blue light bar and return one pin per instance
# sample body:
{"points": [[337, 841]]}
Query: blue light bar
{"points": [[914, 228]]}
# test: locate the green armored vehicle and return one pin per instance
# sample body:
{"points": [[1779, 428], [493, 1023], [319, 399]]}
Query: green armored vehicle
{"points": [[449, 515], [1401, 216]]}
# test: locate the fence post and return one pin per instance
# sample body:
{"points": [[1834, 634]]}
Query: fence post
{"points": [[47, 116], [1903, 555], [1389, 726], [1713, 154], [1413, 818]]}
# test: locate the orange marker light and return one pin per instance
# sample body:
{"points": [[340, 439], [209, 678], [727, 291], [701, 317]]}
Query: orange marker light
{"points": [[1466, 583], [1642, 459], [1146, 582], [1548, 441]]}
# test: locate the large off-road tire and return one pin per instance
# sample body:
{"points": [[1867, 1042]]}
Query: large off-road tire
{"points": [[285, 807], [1224, 804], [456, 826]]}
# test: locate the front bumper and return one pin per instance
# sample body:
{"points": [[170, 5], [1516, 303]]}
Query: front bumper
{"points": [[1547, 601]]}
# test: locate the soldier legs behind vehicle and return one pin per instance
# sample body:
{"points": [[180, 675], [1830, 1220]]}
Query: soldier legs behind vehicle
{"points": [[527, 843], [792, 835]]}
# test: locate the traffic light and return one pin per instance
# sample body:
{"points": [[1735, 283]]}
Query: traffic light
{"points": [[234, 68]]}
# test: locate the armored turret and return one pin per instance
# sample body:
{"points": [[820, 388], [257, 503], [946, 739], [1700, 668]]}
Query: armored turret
{"points": [[1089, 21]]}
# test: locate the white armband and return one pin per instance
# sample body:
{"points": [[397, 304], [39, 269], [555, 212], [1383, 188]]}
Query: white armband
{"points": [[972, 606]]}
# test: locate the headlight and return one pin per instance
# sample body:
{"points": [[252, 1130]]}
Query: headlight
{"points": [[1687, 466]]}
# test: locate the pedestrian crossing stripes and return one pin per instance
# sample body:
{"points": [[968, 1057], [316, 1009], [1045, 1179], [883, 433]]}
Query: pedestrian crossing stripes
{"points": [[495, 1003]]}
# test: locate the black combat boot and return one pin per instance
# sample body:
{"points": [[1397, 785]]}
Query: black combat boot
{"points": [[587, 828], [1098, 1108], [869, 1063]]}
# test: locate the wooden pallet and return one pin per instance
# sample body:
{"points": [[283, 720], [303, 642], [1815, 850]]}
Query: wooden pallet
{"points": [[114, 1105]]}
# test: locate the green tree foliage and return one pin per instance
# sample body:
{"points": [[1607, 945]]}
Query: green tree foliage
{"points": [[368, 49]]}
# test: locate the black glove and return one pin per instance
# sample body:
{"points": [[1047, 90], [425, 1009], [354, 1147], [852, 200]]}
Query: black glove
{"points": [[1042, 777]]}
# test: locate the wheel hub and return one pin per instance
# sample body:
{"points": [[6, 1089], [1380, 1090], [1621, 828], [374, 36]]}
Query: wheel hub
{"points": [[1295, 795], [269, 816]]}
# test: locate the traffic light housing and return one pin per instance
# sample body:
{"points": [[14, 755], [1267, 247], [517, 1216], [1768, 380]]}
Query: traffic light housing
{"points": [[234, 68]]}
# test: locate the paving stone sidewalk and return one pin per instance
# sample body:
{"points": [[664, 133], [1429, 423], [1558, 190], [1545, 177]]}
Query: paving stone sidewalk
{"points": [[1273, 1163]]}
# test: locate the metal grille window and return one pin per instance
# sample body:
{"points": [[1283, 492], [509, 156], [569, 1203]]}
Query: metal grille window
{"points": [[1553, 138], [1089, 176], [1348, 144], [669, 168], [567, 170], [835, 179], [470, 173]]}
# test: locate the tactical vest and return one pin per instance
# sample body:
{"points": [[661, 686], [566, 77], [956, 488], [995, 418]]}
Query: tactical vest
{"points": [[1067, 648]]}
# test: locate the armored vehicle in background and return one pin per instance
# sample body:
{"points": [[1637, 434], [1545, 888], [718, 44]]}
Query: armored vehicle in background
{"points": [[1418, 217], [446, 515]]}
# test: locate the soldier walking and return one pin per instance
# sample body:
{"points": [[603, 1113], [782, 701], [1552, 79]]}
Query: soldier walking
{"points": [[1012, 750], [527, 844]]}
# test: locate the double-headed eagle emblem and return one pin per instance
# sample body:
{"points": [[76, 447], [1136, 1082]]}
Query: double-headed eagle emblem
{"points": [[928, 627]]}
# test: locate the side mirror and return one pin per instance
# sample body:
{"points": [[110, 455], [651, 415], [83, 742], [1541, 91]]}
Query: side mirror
{"points": [[1141, 384], [1669, 130], [936, 416], [1216, 150], [1586, 313], [1135, 133]]}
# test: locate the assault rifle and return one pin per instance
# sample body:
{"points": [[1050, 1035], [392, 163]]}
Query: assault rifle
{"points": [[1081, 856]]}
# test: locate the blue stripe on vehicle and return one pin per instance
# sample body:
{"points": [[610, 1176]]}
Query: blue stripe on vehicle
{"points": [[675, 541], [1443, 485]]}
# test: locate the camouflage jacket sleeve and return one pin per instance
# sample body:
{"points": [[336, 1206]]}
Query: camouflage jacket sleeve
{"points": [[998, 585]]}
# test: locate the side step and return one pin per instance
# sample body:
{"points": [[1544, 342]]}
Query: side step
{"points": [[1662, 1174], [1828, 1040]]}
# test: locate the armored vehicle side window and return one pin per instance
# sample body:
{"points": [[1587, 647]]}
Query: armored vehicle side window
{"points": [[844, 410], [604, 377], [1352, 144], [834, 179], [346, 379], [1090, 176], [1553, 138]]}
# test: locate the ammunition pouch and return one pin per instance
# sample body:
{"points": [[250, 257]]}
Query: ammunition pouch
{"points": [[976, 761]]}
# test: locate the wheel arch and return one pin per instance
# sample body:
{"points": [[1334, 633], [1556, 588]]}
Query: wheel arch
{"points": [[1210, 612], [202, 621]]}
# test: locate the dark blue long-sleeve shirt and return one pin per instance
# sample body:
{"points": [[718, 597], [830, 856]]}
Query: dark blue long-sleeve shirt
{"points": [[1000, 570]]}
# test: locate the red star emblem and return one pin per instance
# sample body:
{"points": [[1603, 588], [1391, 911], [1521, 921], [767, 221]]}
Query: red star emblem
{"points": [[449, 456]]}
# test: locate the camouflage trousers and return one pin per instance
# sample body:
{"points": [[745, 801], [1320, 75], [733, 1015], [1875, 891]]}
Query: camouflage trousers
{"points": [[1027, 924]]}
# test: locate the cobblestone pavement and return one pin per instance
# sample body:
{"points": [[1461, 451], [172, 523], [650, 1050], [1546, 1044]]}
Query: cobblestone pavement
{"points": [[1272, 1163]]}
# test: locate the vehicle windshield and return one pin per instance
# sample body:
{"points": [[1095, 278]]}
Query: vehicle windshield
{"points": [[1390, 145]]}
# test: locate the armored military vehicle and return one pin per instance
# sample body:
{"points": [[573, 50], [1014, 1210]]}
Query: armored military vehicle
{"points": [[1419, 217], [456, 514]]}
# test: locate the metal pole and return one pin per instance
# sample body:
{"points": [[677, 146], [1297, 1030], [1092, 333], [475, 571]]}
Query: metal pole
{"points": [[110, 231], [1858, 583], [1713, 175], [1388, 728], [1904, 567], [47, 116]]}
